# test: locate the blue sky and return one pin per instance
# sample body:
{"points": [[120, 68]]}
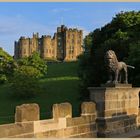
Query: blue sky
{"points": [[22, 19]]}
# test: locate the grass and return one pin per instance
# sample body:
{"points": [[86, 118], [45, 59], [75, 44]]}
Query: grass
{"points": [[60, 85]]}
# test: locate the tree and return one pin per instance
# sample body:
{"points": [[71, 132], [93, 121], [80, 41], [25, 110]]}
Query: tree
{"points": [[35, 61], [120, 35], [25, 82], [7, 66], [134, 59]]}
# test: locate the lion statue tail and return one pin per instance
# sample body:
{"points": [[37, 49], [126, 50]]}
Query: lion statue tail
{"points": [[130, 66]]}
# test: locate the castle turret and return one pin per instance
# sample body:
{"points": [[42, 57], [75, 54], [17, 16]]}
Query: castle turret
{"points": [[65, 45]]}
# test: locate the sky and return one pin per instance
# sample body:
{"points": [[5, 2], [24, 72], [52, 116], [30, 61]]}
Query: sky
{"points": [[24, 18]]}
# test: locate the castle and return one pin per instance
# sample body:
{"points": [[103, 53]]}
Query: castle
{"points": [[65, 45]]}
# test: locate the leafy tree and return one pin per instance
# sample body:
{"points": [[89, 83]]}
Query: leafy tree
{"points": [[25, 82], [7, 66], [36, 62], [120, 35], [134, 59]]}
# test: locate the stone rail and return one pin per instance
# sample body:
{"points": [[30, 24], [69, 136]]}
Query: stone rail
{"points": [[62, 125]]}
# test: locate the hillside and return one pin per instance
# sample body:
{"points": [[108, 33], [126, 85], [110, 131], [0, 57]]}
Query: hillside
{"points": [[60, 85]]}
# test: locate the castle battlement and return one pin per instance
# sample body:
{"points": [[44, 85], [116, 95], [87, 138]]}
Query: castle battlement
{"points": [[61, 125], [57, 47]]}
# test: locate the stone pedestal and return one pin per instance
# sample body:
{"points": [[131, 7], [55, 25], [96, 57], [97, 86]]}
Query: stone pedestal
{"points": [[117, 108]]}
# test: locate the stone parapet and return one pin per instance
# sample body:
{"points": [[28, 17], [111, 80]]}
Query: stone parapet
{"points": [[117, 106], [62, 125]]}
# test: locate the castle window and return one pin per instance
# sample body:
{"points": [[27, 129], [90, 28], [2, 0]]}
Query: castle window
{"points": [[59, 38], [73, 41], [59, 43]]}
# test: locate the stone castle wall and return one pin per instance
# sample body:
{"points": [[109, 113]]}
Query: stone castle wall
{"points": [[62, 125], [66, 44], [117, 109], [113, 111]]}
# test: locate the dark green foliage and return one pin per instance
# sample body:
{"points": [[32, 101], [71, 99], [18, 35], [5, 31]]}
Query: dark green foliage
{"points": [[7, 66], [25, 82], [36, 62], [121, 35], [60, 85], [134, 59], [3, 78]]}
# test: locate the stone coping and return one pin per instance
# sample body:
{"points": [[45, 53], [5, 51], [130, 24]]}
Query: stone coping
{"points": [[119, 85], [112, 88]]}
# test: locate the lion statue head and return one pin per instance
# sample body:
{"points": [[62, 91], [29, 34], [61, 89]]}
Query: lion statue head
{"points": [[111, 60]]}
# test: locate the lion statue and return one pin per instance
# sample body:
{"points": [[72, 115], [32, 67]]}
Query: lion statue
{"points": [[115, 68]]}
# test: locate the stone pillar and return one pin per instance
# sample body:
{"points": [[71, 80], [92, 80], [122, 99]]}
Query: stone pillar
{"points": [[27, 112], [117, 108], [63, 110], [88, 108]]}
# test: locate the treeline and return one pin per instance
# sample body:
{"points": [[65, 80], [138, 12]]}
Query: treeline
{"points": [[23, 75], [122, 35]]}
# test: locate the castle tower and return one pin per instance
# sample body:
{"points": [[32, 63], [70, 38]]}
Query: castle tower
{"points": [[46, 49], [61, 42], [35, 42], [69, 43], [23, 47], [74, 39], [65, 45]]}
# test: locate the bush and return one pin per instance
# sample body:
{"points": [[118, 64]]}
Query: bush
{"points": [[3, 78], [35, 61], [25, 82]]}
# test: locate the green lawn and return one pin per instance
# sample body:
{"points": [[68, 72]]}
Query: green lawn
{"points": [[60, 85]]}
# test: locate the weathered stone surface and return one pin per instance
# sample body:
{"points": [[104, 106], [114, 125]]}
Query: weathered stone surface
{"points": [[63, 110], [70, 131], [75, 121], [27, 112], [88, 108], [88, 135], [10, 130], [45, 125], [57, 133], [89, 118], [83, 128], [23, 136]]}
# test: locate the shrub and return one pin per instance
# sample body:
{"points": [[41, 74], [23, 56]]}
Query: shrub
{"points": [[3, 78], [25, 82]]}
